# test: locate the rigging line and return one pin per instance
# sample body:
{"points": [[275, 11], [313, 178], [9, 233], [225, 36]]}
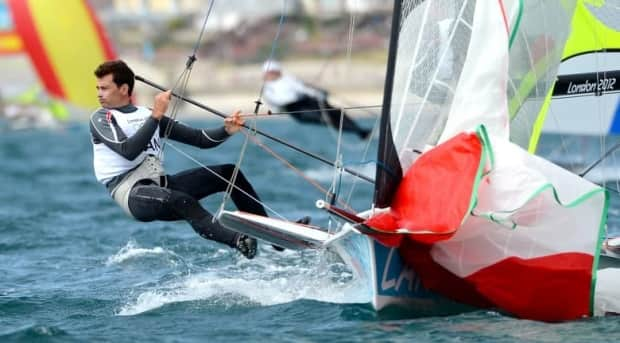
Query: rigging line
{"points": [[293, 168], [323, 102], [335, 187], [202, 30], [274, 44], [181, 83], [600, 159], [329, 58], [329, 123], [190, 62], [273, 138], [564, 141], [616, 191], [349, 105], [183, 79], [233, 177], [319, 75], [226, 180], [602, 138], [258, 115], [172, 113], [350, 39], [366, 150]]}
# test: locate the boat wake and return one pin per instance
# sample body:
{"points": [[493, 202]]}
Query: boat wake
{"points": [[270, 279]]}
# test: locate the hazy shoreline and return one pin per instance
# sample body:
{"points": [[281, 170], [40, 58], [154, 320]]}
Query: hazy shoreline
{"points": [[228, 87]]}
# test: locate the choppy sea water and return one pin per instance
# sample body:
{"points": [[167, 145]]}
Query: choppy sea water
{"points": [[74, 268]]}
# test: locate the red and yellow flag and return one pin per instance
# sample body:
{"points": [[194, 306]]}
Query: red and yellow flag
{"points": [[65, 43]]}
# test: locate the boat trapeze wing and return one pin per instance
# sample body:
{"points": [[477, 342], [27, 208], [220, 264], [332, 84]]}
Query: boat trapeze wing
{"points": [[286, 234]]}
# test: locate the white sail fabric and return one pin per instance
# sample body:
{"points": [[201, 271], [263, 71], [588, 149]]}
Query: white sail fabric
{"points": [[530, 218], [520, 213], [539, 30], [432, 45], [481, 91]]}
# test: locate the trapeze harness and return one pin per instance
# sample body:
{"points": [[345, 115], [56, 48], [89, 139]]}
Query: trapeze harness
{"points": [[108, 165]]}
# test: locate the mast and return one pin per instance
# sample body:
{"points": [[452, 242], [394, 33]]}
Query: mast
{"points": [[389, 171]]}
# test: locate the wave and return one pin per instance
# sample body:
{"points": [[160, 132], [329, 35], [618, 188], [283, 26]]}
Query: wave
{"points": [[132, 251], [264, 281], [34, 332]]}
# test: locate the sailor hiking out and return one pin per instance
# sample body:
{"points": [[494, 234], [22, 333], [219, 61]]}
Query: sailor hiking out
{"points": [[306, 104], [127, 151]]}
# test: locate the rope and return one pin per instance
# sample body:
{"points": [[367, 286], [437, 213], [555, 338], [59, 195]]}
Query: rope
{"points": [[258, 102], [337, 178], [350, 39], [183, 80], [338, 164], [322, 102], [182, 83], [274, 44], [366, 150], [271, 114], [293, 168], [233, 178], [225, 180]]}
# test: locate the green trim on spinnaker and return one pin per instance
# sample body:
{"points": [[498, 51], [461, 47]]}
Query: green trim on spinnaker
{"points": [[515, 29], [484, 137], [548, 186], [601, 238], [487, 154], [578, 201], [510, 224]]}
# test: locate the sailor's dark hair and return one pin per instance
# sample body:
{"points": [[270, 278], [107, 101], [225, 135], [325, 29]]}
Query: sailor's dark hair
{"points": [[121, 73]]}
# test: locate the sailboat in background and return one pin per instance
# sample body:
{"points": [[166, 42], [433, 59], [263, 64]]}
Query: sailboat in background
{"points": [[64, 45], [584, 117], [589, 75], [464, 216]]}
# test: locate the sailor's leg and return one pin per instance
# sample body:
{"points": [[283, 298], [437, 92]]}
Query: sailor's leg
{"points": [[348, 124], [151, 202], [305, 110], [200, 182]]}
